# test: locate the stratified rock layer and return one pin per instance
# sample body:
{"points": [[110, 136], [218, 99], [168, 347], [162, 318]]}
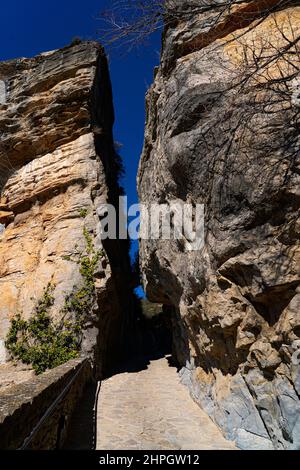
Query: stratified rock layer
{"points": [[223, 130], [57, 165]]}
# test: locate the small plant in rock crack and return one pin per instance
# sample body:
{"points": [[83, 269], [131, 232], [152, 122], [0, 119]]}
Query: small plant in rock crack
{"points": [[44, 343], [80, 301], [83, 213]]}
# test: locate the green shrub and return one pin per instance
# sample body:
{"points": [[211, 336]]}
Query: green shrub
{"points": [[41, 341], [83, 213]]}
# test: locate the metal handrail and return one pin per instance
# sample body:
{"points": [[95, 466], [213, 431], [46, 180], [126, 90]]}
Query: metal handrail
{"points": [[95, 408], [49, 410]]}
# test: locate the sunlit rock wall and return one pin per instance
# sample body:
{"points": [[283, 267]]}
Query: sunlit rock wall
{"points": [[57, 164]]}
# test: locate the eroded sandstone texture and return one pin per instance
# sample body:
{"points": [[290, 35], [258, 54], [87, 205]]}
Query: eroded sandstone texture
{"points": [[223, 130], [58, 164]]}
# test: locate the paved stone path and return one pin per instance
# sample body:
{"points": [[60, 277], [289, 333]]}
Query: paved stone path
{"points": [[152, 410]]}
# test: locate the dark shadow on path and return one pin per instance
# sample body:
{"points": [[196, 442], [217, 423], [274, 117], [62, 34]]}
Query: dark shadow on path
{"points": [[82, 428], [153, 341]]}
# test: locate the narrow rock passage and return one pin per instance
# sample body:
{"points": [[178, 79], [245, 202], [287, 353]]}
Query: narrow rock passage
{"points": [[152, 410]]}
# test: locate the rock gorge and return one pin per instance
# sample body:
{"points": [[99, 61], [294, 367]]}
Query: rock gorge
{"points": [[58, 163], [223, 130]]}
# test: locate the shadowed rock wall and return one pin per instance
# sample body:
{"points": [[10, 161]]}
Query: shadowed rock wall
{"points": [[223, 130]]}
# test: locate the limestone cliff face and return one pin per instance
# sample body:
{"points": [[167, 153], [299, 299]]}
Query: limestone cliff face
{"points": [[223, 130], [57, 165]]}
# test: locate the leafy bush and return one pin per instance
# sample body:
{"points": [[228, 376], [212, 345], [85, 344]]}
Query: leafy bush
{"points": [[41, 341]]}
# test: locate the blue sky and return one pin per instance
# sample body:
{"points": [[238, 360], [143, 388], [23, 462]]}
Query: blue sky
{"points": [[33, 26]]}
